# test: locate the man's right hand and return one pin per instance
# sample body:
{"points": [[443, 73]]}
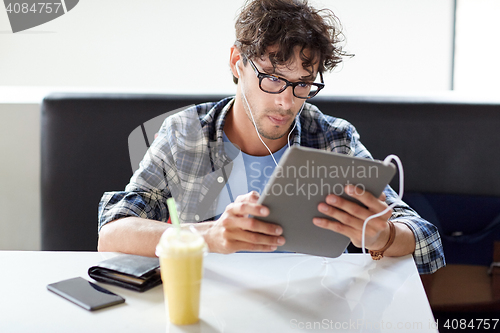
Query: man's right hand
{"points": [[236, 231]]}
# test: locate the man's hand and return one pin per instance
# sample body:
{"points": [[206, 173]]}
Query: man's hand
{"points": [[350, 217], [235, 231]]}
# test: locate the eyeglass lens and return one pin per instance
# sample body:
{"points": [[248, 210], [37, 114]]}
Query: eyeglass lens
{"points": [[274, 85]]}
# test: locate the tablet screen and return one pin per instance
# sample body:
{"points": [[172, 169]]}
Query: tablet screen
{"points": [[303, 179]]}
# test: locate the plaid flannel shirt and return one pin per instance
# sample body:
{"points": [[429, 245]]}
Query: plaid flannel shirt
{"points": [[187, 161]]}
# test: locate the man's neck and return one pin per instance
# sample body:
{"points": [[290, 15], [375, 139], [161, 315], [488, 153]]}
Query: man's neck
{"points": [[241, 131]]}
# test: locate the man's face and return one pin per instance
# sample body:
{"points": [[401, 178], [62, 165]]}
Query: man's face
{"points": [[273, 113]]}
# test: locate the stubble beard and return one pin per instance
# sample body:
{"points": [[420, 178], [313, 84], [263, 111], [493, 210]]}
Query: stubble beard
{"points": [[258, 124]]}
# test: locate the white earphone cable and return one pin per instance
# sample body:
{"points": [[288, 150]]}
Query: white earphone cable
{"points": [[255, 125], [400, 197], [386, 160]]}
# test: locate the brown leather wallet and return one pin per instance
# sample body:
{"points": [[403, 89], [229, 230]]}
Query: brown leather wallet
{"points": [[128, 271]]}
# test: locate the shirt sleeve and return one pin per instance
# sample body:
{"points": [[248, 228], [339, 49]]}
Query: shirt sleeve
{"points": [[429, 254], [145, 204], [147, 192]]}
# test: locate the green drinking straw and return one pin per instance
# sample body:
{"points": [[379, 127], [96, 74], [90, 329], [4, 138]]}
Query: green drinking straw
{"points": [[173, 212]]}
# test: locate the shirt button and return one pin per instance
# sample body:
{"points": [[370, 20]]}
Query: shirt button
{"points": [[197, 217], [220, 179]]}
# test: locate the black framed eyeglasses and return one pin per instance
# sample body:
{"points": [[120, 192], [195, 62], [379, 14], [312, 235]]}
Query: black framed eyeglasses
{"points": [[273, 84]]}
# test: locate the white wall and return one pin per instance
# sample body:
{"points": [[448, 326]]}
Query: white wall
{"points": [[183, 47], [399, 46], [477, 65], [19, 176], [98, 43]]}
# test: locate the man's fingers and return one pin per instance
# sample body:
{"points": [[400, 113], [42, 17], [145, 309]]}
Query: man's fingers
{"points": [[373, 205], [247, 234], [237, 231], [254, 237], [365, 197], [352, 214], [247, 205], [249, 197], [338, 214], [244, 208], [253, 225], [343, 210], [338, 227]]}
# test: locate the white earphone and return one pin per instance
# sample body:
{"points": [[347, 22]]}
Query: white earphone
{"points": [[238, 68]]}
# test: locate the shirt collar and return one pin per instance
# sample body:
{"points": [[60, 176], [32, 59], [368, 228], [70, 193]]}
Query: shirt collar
{"points": [[296, 132], [216, 118], [219, 113], [213, 123], [221, 120]]}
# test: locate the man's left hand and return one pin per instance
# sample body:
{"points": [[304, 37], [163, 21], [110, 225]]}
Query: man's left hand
{"points": [[350, 217]]}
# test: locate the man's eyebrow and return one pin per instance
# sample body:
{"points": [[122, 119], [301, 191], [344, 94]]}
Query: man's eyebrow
{"points": [[309, 77], [273, 71]]}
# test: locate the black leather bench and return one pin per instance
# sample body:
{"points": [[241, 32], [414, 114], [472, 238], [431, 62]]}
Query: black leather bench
{"points": [[448, 146]]}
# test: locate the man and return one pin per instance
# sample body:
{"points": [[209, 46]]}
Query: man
{"points": [[282, 48]]}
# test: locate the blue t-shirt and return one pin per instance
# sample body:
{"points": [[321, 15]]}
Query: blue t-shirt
{"points": [[249, 173]]}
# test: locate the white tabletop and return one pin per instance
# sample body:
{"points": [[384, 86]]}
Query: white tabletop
{"points": [[245, 292]]}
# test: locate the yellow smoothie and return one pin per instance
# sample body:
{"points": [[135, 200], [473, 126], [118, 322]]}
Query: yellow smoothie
{"points": [[181, 263]]}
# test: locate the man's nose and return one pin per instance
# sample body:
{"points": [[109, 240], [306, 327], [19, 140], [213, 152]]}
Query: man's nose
{"points": [[285, 99]]}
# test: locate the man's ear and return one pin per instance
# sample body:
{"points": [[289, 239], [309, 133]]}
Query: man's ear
{"points": [[235, 56]]}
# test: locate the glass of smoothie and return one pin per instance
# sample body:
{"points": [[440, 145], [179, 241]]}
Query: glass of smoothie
{"points": [[181, 250]]}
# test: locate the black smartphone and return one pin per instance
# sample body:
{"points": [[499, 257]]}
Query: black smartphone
{"points": [[86, 294]]}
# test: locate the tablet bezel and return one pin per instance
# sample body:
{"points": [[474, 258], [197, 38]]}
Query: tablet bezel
{"points": [[295, 212]]}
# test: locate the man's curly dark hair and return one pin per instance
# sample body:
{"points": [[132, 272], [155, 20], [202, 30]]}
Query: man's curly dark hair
{"points": [[288, 24]]}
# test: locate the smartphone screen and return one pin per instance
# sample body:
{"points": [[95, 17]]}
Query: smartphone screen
{"points": [[86, 294]]}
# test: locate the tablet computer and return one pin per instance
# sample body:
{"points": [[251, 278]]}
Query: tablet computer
{"points": [[303, 179]]}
